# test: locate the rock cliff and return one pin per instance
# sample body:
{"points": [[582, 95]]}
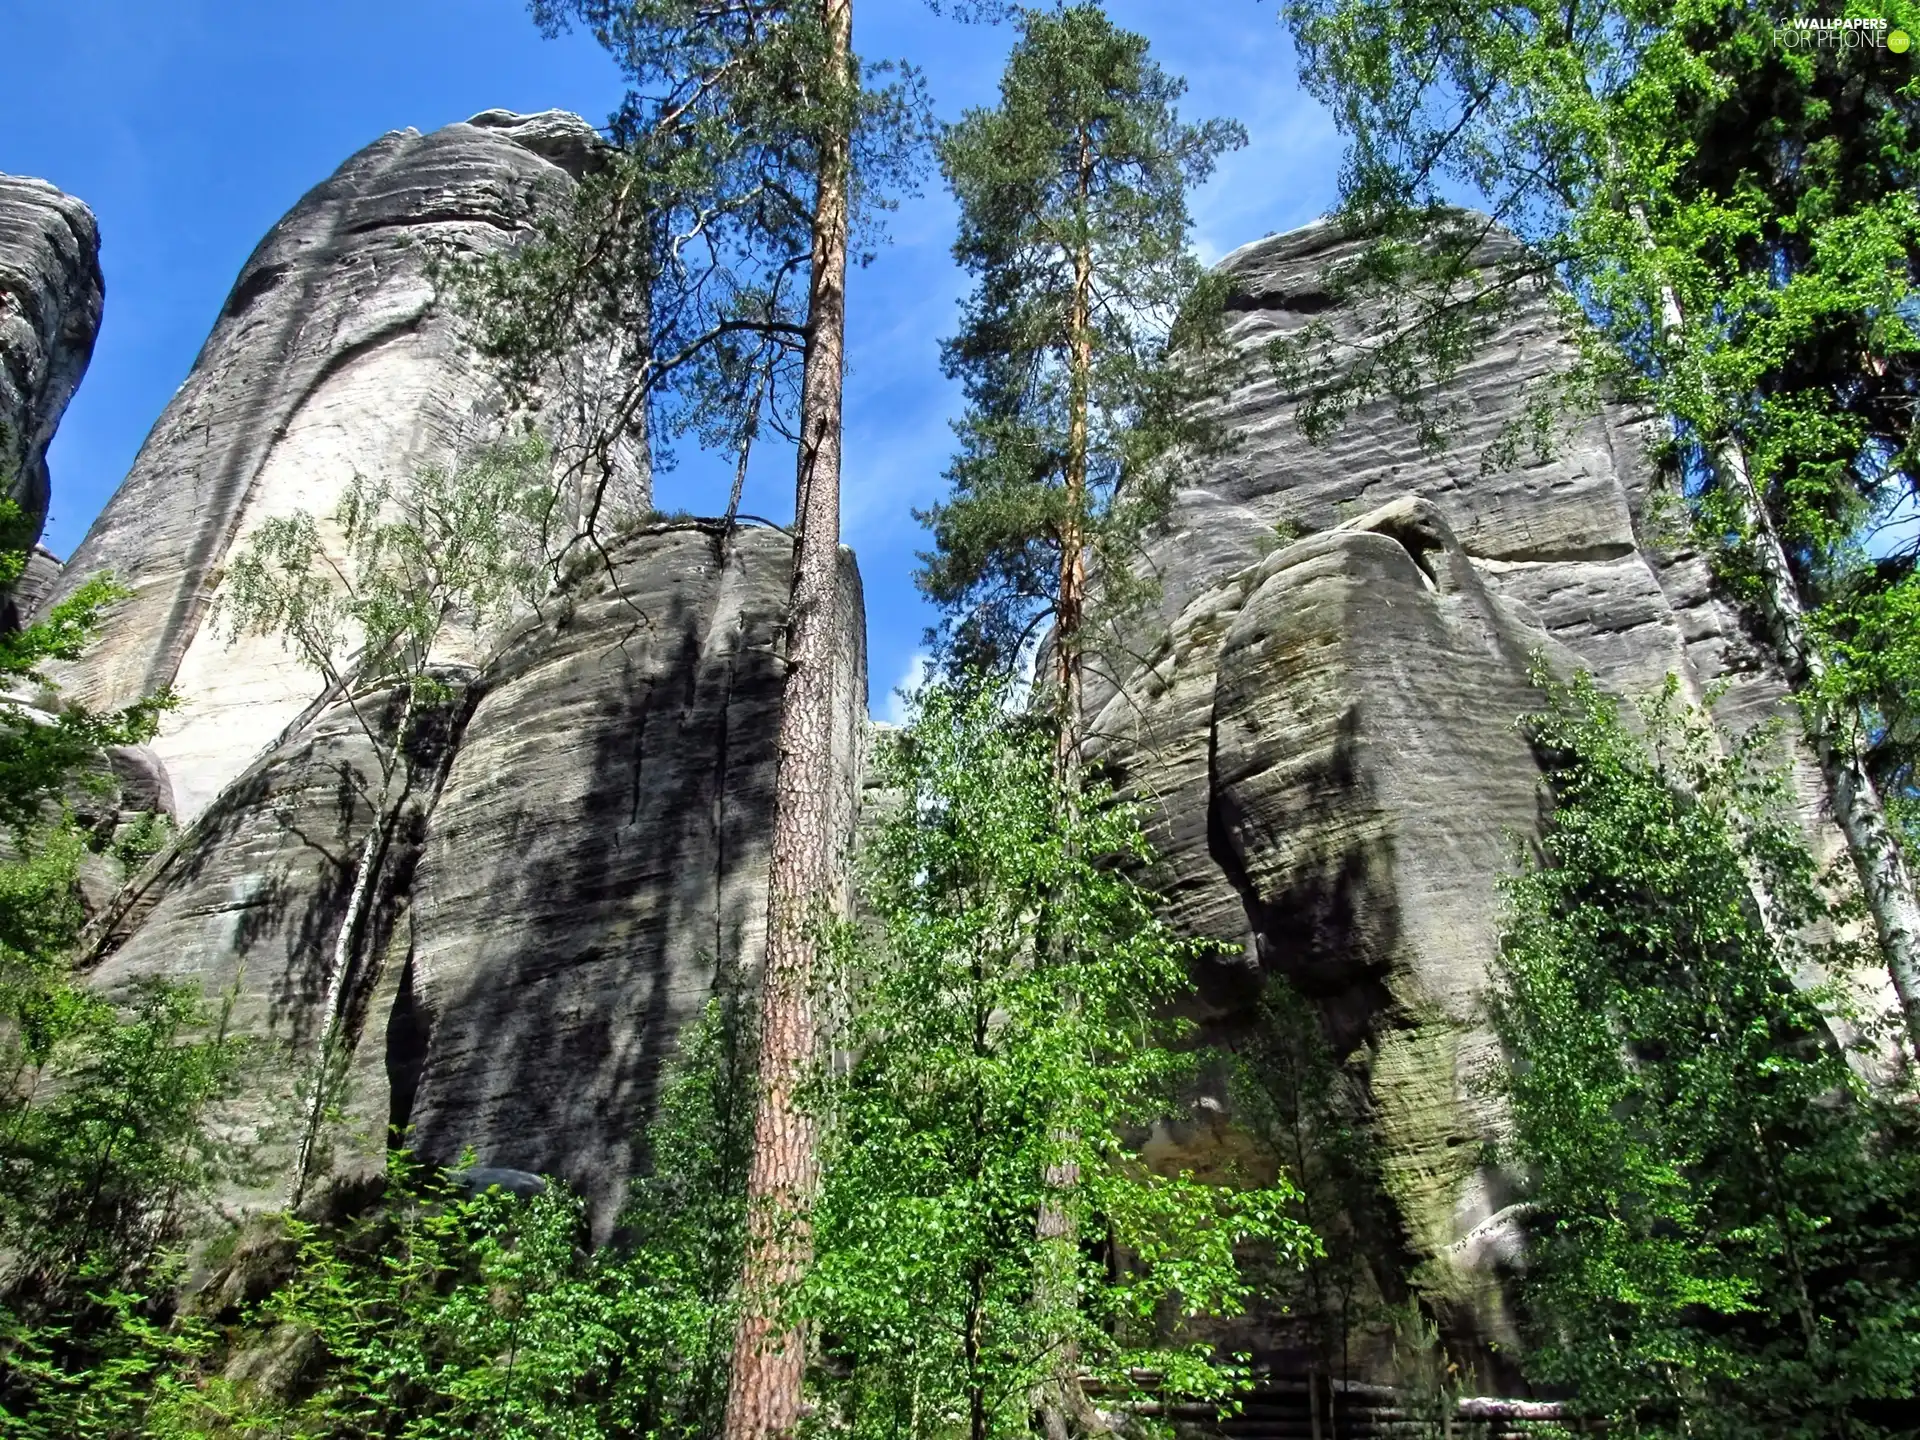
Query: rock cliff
{"points": [[1324, 713], [582, 844], [584, 848], [51, 294], [329, 358]]}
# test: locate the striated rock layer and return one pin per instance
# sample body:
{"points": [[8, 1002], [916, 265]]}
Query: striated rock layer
{"points": [[581, 842], [584, 847], [1325, 714], [51, 293], [329, 359]]}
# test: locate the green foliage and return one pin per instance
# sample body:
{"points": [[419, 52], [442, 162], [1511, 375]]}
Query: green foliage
{"points": [[144, 837], [448, 1312], [1722, 1213], [459, 545], [1291, 1094], [131, 1377], [1092, 336], [105, 1163], [978, 1066], [42, 753], [1729, 210], [94, 1168], [104, 1158]]}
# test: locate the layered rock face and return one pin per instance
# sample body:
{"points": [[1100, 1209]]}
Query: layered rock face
{"points": [[51, 293], [1325, 715], [580, 842], [583, 848], [329, 359]]}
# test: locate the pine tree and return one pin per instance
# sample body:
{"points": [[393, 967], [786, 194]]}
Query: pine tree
{"points": [[750, 146], [769, 1355], [1583, 128], [1074, 221], [1088, 347]]}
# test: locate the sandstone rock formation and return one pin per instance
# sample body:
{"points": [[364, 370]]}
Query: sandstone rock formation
{"points": [[581, 846], [585, 848], [51, 292], [1322, 710], [1325, 713], [329, 358]]}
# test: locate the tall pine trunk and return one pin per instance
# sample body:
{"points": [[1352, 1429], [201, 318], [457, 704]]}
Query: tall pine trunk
{"points": [[1885, 879], [1056, 1226], [769, 1352], [1071, 602]]}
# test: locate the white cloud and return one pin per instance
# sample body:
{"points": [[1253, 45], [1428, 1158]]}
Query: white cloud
{"points": [[919, 667]]}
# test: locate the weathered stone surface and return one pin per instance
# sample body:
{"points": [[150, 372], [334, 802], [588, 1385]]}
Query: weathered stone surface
{"points": [[586, 845], [1325, 713], [51, 292], [600, 849], [36, 582], [246, 905], [329, 358]]}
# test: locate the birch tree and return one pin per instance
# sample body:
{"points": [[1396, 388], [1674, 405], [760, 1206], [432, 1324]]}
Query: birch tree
{"points": [[367, 612]]}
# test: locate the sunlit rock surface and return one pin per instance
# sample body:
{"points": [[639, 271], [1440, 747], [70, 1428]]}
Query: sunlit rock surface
{"points": [[51, 293], [329, 358], [1322, 710], [584, 846]]}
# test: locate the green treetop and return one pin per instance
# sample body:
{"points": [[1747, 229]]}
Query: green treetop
{"points": [[1074, 223], [1721, 1213], [684, 257]]}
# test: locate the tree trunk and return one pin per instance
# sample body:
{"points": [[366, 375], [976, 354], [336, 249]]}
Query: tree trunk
{"points": [[1885, 880], [394, 784], [1070, 607], [1058, 1233], [769, 1351]]}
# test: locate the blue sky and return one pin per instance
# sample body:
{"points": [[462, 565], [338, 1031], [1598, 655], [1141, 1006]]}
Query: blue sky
{"points": [[190, 126]]}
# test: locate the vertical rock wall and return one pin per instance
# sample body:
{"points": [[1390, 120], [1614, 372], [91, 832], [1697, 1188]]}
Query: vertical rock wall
{"points": [[582, 844], [584, 850], [1325, 708], [328, 359], [51, 292]]}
